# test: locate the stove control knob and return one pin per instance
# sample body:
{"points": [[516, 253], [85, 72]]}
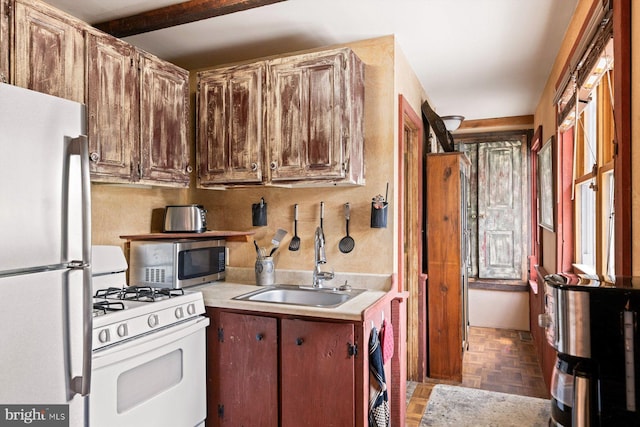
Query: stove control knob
{"points": [[191, 309], [122, 330], [103, 336], [179, 313], [153, 320]]}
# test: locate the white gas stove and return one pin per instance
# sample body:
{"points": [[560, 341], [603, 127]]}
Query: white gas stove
{"points": [[123, 312], [148, 364]]}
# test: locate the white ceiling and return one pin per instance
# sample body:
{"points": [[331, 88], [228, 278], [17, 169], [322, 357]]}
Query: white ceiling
{"points": [[477, 58]]}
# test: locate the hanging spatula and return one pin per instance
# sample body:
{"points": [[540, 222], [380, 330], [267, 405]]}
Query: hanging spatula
{"points": [[294, 245], [347, 243], [277, 238]]}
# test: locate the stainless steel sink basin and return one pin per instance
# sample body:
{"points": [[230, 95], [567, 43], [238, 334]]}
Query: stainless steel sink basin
{"points": [[301, 295]]}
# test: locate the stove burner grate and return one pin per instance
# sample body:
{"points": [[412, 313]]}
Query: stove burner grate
{"points": [[102, 307], [139, 293]]}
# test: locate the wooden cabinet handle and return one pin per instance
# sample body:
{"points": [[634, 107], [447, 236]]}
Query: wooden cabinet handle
{"points": [[189, 169], [254, 167], [259, 337], [94, 157], [299, 341], [274, 165]]}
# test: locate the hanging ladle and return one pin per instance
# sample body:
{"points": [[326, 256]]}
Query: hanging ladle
{"points": [[347, 243]]}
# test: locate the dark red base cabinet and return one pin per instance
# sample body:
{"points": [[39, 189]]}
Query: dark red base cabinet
{"points": [[242, 378], [318, 373], [266, 369]]}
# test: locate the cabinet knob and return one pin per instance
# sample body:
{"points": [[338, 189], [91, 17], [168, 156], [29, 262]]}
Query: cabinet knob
{"points": [[259, 337], [299, 341], [94, 157], [254, 167], [189, 169], [273, 165]]}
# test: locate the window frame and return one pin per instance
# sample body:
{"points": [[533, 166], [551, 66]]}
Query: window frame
{"points": [[622, 160]]}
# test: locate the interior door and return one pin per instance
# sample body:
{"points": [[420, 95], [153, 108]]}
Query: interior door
{"points": [[500, 209]]}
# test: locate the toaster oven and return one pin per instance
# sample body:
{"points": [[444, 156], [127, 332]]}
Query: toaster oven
{"points": [[176, 263]]}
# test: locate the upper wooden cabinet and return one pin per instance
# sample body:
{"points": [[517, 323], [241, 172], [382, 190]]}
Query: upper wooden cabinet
{"points": [[230, 131], [284, 121], [164, 123], [138, 110], [48, 52], [4, 41], [137, 104], [315, 117], [112, 108]]}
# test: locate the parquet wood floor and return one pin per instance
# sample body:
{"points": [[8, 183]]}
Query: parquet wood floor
{"points": [[497, 360]]}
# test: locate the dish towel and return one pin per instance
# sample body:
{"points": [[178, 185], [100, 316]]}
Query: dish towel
{"points": [[378, 401], [386, 340]]}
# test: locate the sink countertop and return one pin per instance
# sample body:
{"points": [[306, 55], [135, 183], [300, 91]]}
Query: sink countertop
{"points": [[241, 281]]}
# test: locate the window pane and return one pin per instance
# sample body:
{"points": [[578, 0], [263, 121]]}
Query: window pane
{"points": [[608, 221], [590, 133], [586, 224]]}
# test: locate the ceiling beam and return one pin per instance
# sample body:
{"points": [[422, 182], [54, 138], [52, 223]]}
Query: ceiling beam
{"points": [[177, 14]]}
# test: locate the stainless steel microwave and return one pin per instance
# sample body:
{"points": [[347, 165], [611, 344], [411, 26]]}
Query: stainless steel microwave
{"points": [[176, 263]]}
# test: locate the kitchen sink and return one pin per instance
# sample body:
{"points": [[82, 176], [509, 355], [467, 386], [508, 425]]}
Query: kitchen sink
{"points": [[301, 295]]}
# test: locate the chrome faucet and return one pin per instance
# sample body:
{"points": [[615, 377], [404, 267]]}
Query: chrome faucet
{"points": [[320, 258]]}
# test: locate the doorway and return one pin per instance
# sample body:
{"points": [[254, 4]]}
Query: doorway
{"points": [[498, 205], [411, 152]]}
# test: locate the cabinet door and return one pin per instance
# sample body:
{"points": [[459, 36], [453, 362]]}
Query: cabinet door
{"points": [[306, 115], [164, 123], [230, 125], [4, 41], [112, 107], [242, 370], [48, 52], [318, 374]]}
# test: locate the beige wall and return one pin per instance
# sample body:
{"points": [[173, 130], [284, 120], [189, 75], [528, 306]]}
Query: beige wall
{"points": [[121, 210]]}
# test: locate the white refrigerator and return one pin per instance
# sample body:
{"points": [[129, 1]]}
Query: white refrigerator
{"points": [[45, 260]]}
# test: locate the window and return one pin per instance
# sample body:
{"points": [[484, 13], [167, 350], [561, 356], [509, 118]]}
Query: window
{"points": [[593, 184]]}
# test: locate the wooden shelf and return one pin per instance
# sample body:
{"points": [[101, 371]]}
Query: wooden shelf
{"points": [[231, 236]]}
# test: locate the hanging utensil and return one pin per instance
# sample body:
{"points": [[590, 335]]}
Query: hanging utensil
{"points": [[347, 243], [258, 254], [277, 238], [322, 219], [294, 245]]}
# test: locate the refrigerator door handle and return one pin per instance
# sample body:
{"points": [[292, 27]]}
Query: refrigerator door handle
{"points": [[80, 146]]}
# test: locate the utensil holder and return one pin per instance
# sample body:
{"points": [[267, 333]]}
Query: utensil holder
{"points": [[379, 215], [259, 213], [265, 271]]}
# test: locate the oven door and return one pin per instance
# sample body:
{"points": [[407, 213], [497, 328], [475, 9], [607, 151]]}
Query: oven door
{"points": [[155, 380]]}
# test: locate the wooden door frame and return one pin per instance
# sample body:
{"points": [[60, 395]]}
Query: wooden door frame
{"points": [[409, 121], [535, 243]]}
